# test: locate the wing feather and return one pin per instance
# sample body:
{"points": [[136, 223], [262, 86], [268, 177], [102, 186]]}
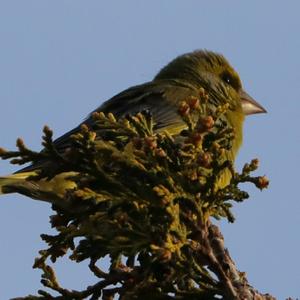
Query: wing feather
{"points": [[161, 98]]}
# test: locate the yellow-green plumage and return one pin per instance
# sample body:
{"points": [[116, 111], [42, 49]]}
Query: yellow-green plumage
{"points": [[180, 79]]}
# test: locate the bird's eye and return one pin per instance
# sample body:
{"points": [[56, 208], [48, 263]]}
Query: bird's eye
{"points": [[230, 79], [226, 77]]}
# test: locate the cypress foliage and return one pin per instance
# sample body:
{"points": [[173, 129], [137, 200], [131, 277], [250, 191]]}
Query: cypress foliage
{"points": [[146, 200]]}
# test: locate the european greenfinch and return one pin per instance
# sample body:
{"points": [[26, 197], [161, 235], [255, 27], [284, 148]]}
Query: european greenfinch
{"points": [[180, 79]]}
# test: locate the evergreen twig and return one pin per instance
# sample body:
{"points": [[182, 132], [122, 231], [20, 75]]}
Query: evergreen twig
{"points": [[146, 200]]}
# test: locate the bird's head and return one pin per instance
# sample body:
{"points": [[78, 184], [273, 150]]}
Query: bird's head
{"points": [[212, 72]]}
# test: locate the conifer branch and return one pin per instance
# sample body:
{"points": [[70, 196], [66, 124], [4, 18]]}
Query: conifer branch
{"points": [[146, 200]]}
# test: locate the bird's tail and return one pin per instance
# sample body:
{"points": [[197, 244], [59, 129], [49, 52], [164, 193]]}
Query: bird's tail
{"points": [[52, 190], [9, 182]]}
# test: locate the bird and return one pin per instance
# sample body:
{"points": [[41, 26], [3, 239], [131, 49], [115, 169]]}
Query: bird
{"points": [[180, 79]]}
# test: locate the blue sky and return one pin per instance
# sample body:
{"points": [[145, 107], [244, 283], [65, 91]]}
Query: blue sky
{"points": [[60, 59]]}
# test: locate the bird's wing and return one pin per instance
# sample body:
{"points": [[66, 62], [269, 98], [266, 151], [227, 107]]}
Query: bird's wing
{"points": [[160, 98]]}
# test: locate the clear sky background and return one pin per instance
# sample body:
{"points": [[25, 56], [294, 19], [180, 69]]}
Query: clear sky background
{"points": [[60, 59]]}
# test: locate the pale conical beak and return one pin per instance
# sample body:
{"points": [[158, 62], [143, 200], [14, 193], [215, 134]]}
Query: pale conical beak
{"points": [[249, 105]]}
